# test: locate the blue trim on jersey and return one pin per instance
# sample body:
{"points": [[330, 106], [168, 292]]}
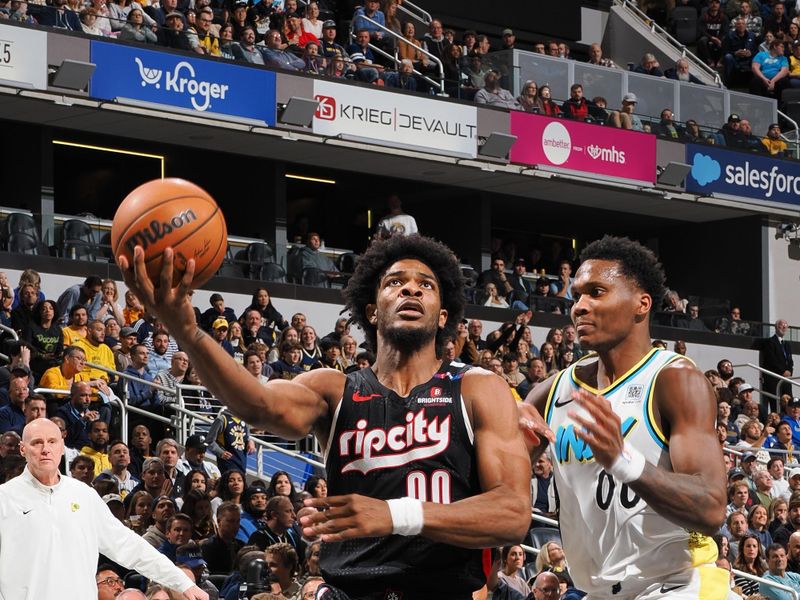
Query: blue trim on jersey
{"points": [[632, 374], [548, 408]]}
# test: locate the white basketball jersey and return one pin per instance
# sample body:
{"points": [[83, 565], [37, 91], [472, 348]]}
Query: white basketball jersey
{"points": [[614, 542]]}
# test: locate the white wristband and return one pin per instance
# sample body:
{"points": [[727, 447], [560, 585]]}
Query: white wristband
{"points": [[628, 466], [407, 516]]}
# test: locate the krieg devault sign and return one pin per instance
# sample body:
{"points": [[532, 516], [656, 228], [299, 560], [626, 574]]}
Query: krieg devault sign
{"points": [[383, 117]]}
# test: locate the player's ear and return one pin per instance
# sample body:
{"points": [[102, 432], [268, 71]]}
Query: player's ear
{"points": [[442, 318], [372, 314], [645, 305]]}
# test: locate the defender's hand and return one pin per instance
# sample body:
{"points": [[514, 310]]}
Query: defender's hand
{"points": [[602, 430]]}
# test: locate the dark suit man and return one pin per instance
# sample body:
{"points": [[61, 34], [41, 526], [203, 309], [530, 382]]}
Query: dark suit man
{"points": [[776, 356]]}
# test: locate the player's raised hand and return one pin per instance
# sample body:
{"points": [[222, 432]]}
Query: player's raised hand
{"points": [[600, 426], [170, 304], [347, 517], [195, 593]]}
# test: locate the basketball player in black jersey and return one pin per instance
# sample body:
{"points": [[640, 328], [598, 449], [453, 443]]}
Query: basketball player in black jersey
{"points": [[442, 438]]}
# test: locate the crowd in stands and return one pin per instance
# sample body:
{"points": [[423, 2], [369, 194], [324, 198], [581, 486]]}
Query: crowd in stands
{"points": [[308, 38]]}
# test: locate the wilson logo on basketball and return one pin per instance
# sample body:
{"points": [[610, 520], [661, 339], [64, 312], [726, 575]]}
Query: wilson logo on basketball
{"points": [[157, 231]]}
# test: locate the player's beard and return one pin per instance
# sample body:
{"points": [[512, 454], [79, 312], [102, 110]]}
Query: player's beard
{"points": [[408, 339]]}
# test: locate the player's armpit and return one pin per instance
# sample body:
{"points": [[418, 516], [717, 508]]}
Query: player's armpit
{"points": [[501, 514], [693, 496]]}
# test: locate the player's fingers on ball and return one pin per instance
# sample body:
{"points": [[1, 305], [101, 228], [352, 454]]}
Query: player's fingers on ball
{"points": [[185, 284], [165, 276], [316, 502]]}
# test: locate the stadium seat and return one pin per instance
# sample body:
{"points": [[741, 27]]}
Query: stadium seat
{"points": [[539, 536], [257, 255], [78, 241], [273, 272], [684, 19], [346, 263], [23, 243], [294, 264], [20, 223]]}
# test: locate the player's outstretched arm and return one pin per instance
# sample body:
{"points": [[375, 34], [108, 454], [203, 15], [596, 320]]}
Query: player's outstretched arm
{"points": [[692, 495], [286, 408]]}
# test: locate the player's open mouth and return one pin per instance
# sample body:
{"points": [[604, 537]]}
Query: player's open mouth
{"points": [[410, 308]]}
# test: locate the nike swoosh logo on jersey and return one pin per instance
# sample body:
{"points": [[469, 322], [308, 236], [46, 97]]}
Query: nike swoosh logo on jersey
{"points": [[671, 588], [25, 512], [359, 398], [560, 404]]}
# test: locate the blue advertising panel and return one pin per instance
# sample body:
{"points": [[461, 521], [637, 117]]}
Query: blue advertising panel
{"points": [[175, 80], [742, 174]]}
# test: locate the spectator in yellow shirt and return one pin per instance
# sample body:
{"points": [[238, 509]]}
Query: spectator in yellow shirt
{"points": [[97, 352], [97, 449], [70, 370], [773, 142], [76, 328]]}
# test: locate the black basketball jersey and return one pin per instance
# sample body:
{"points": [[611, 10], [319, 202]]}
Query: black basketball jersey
{"points": [[385, 446]]}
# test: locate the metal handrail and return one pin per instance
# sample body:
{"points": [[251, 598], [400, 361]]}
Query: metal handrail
{"points": [[767, 582], [416, 12], [768, 372], [439, 84], [657, 29], [543, 519], [11, 331]]}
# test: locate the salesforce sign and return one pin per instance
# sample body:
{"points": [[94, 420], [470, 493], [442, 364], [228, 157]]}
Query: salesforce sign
{"points": [[715, 170], [202, 85]]}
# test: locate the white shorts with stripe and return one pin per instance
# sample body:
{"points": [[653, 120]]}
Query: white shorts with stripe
{"points": [[701, 583]]}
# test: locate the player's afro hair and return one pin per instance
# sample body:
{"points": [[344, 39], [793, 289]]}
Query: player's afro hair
{"points": [[362, 288], [637, 263]]}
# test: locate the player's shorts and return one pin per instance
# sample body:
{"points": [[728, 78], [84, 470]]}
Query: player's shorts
{"points": [[701, 583]]}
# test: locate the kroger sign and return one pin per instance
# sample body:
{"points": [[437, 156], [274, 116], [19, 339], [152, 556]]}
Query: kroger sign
{"points": [[205, 86], [742, 174]]}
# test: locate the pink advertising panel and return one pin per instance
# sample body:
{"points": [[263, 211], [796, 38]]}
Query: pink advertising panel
{"points": [[583, 147]]}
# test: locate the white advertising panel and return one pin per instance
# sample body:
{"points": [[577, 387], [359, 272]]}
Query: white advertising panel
{"points": [[399, 120], [23, 56]]}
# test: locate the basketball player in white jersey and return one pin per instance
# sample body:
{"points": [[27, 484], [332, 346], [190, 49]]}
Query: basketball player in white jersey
{"points": [[638, 469]]}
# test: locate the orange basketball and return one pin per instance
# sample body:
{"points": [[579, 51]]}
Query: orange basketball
{"points": [[171, 212]]}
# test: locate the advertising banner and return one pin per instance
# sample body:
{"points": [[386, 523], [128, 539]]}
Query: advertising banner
{"points": [[205, 86], [583, 147], [23, 56], [742, 174], [399, 120]]}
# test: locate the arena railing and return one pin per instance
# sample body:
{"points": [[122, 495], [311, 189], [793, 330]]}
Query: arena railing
{"points": [[760, 369], [704, 104], [399, 38], [186, 419], [10, 332], [415, 12]]}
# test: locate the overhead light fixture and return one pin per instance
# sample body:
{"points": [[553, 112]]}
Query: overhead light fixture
{"points": [[314, 179], [299, 111], [497, 145], [73, 75], [674, 175]]}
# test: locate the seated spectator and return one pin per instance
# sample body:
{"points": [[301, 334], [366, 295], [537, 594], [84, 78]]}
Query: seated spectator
{"points": [[97, 352], [280, 523], [97, 448], [435, 42], [649, 66], [402, 79], [776, 561], [204, 42], [539, 48], [739, 47], [475, 73], [596, 57], [45, 337], [494, 95], [171, 377], [312, 62], [296, 37], [60, 17], [493, 298], [528, 100], [12, 415], [666, 126], [794, 65], [361, 54], [160, 351], [70, 370], [371, 10], [552, 49], [752, 18], [576, 107], [172, 35], [77, 326], [749, 141], [241, 19], [563, 50], [773, 142], [777, 22], [177, 533], [312, 258], [731, 131], [226, 42], [329, 47], [247, 51], [770, 71], [139, 394], [288, 366], [624, 118], [219, 550], [693, 135], [733, 324], [711, 29], [410, 47], [88, 17]]}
